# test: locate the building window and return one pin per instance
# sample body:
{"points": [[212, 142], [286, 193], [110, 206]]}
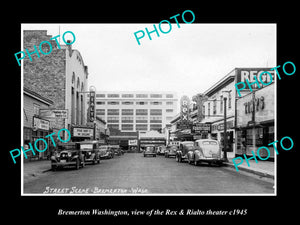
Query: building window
{"points": [[100, 95], [113, 112], [169, 110], [112, 103], [113, 119], [127, 103], [127, 95], [100, 103], [169, 96], [155, 103], [156, 112], [155, 126], [127, 126], [36, 109], [214, 107], [113, 95], [127, 111], [229, 100], [221, 104], [155, 119], [141, 119], [141, 103], [73, 78], [113, 126], [141, 127], [208, 108], [155, 96], [169, 103], [141, 112], [127, 119], [141, 96]]}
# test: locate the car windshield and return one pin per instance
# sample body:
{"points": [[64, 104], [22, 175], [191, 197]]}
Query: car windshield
{"points": [[150, 149], [209, 143], [86, 146], [66, 147]]}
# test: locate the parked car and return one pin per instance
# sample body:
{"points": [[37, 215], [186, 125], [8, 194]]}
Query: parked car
{"points": [[150, 150], [161, 150], [91, 151], [183, 150], [106, 152], [67, 155], [116, 149], [207, 150], [171, 151]]}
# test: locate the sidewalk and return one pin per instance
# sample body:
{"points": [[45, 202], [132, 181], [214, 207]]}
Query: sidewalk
{"points": [[33, 169], [261, 168]]}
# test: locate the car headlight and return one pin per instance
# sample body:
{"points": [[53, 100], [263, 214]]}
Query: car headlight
{"points": [[69, 154]]}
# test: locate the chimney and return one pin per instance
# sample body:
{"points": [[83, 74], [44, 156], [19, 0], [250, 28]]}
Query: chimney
{"points": [[69, 47]]}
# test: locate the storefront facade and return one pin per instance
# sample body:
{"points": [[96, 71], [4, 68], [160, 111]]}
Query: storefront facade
{"points": [[34, 127], [255, 121]]}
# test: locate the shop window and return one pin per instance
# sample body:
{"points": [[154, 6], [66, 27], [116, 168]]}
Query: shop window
{"points": [[36, 109]]}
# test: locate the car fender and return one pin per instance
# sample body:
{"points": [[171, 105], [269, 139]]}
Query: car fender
{"points": [[198, 154]]}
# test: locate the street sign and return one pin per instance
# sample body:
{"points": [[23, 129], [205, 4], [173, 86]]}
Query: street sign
{"points": [[40, 124], [82, 132], [201, 127], [54, 113]]}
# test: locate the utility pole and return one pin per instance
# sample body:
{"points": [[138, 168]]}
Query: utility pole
{"points": [[225, 131]]}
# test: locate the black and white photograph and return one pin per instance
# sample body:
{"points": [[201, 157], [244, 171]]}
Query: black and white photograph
{"points": [[162, 117], [171, 116]]}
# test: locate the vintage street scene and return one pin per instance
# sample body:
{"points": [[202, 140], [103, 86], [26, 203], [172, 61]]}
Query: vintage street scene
{"points": [[190, 112]]}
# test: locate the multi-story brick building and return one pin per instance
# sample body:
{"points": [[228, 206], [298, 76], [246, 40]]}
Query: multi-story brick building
{"points": [[60, 76]]}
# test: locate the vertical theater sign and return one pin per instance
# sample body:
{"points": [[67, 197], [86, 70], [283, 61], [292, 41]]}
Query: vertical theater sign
{"points": [[92, 101], [184, 124]]}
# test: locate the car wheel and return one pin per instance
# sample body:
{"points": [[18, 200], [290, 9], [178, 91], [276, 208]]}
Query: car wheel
{"points": [[53, 167], [195, 162], [77, 164], [144, 155]]}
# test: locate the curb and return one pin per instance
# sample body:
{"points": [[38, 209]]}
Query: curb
{"points": [[249, 170]]}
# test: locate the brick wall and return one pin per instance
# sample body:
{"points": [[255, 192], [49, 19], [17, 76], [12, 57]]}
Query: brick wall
{"points": [[45, 75]]}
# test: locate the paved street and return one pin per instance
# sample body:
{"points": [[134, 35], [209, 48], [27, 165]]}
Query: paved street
{"points": [[132, 173]]}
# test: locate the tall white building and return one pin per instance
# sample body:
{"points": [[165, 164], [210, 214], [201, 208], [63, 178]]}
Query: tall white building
{"points": [[136, 111]]}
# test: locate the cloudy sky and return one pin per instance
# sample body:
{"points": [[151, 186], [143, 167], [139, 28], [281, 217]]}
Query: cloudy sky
{"points": [[187, 60]]}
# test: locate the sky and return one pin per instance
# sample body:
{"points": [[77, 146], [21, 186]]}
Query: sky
{"points": [[187, 60]]}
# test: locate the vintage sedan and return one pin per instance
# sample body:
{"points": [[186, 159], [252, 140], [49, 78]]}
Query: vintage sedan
{"points": [[106, 152], [184, 148], [91, 151], [150, 150], [207, 150], [171, 151], [67, 155]]}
